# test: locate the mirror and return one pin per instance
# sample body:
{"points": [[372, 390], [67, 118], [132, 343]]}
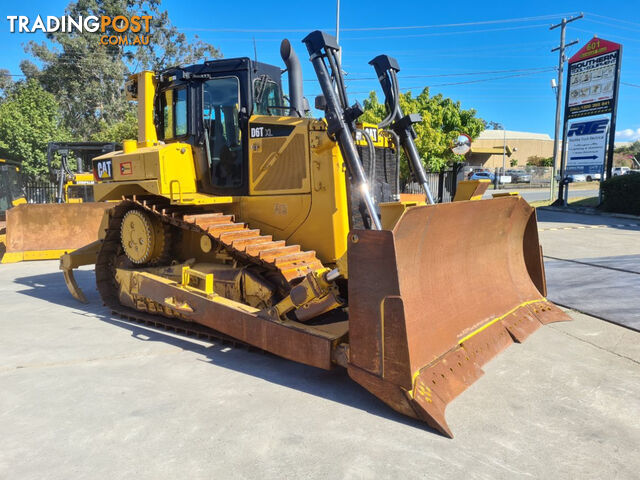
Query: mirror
{"points": [[461, 145], [321, 103]]}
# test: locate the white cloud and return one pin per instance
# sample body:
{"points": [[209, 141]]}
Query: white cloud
{"points": [[628, 134]]}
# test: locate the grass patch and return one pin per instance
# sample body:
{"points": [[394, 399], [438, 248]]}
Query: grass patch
{"points": [[541, 203], [584, 202], [573, 202]]}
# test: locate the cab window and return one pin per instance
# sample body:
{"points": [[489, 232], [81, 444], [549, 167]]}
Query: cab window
{"points": [[266, 94], [220, 100], [174, 113]]}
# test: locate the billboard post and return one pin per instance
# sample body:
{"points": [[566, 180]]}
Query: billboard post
{"points": [[593, 80]]}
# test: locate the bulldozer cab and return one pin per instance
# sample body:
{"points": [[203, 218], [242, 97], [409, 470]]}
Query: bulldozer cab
{"points": [[10, 185], [209, 106]]}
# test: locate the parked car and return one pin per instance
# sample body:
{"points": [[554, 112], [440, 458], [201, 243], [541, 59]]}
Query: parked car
{"points": [[620, 171], [577, 177], [593, 177], [482, 176], [519, 176]]}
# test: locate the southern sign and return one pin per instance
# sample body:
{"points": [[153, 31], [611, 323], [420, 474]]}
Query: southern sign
{"points": [[587, 140], [592, 79]]}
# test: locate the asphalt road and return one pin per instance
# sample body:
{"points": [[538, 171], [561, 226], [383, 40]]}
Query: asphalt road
{"points": [[86, 395], [592, 264]]}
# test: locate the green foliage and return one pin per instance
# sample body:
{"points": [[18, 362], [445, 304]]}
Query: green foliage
{"points": [[29, 120], [87, 78], [633, 149], [442, 121], [540, 161], [621, 194], [513, 162], [125, 129]]}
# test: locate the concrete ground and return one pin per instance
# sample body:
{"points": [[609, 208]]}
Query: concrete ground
{"points": [[84, 395], [592, 264]]}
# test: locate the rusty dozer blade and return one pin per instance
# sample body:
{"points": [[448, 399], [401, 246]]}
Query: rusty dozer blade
{"points": [[46, 231], [433, 300]]}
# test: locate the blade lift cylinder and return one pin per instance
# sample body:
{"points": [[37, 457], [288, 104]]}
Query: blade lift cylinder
{"points": [[386, 69], [341, 118]]}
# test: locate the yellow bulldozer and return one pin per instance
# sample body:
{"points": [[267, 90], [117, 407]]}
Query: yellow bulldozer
{"points": [[242, 214], [26, 216]]}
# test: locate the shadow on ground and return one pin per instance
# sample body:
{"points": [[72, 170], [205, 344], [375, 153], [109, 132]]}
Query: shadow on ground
{"points": [[332, 385]]}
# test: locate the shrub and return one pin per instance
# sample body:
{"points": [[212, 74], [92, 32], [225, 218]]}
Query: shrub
{"points": [[621, 194], [537, 161]]}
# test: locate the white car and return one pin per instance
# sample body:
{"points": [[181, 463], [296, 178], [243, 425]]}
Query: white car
{"points": [[577, 177], [619, 171]]}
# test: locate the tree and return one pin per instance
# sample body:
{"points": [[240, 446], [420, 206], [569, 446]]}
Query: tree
{"points": [[492, 125], [442, 121], [88, 77], [631, 149], [29, 120], [125, 129], [540, 161], [5, 79]]}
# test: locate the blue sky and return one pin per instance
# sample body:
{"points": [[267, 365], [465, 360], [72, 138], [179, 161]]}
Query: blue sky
{"points": [[467, 62]]}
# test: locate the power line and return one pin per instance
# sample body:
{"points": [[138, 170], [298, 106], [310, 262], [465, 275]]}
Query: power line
{"points": [[444, 34], [487, 72], [483, 79], [462, 83], [613, 18], [368, 29], [630, 84], [614, 36], [612, 25]]}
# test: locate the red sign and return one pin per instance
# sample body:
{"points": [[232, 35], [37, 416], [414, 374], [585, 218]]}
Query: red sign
{"points": [[125, 168], [595, 46]]}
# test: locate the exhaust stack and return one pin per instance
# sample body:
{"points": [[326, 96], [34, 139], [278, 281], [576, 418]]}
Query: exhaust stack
{"points": [[296, 97]]}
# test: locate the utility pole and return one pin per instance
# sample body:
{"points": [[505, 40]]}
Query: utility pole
{"points": [[561, 59], [504, 150], [338, 29]]}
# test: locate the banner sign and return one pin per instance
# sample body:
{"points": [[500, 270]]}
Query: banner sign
{"points": [[592, 79], [586, 145]]}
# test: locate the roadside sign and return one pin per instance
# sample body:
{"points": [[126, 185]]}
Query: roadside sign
{"points": [[586, 145], [592, 79], [591, 93]]}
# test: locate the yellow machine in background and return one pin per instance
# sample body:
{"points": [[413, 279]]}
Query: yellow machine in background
{"points": [[11, 194], [243, 215], [45, 231], [78, 188]]}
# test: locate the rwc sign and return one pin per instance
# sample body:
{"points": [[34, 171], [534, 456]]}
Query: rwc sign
{"points": [[587, 141], [591, 99]]}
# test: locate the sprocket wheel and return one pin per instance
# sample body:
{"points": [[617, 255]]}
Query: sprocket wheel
{"points": [[142, 237]]}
